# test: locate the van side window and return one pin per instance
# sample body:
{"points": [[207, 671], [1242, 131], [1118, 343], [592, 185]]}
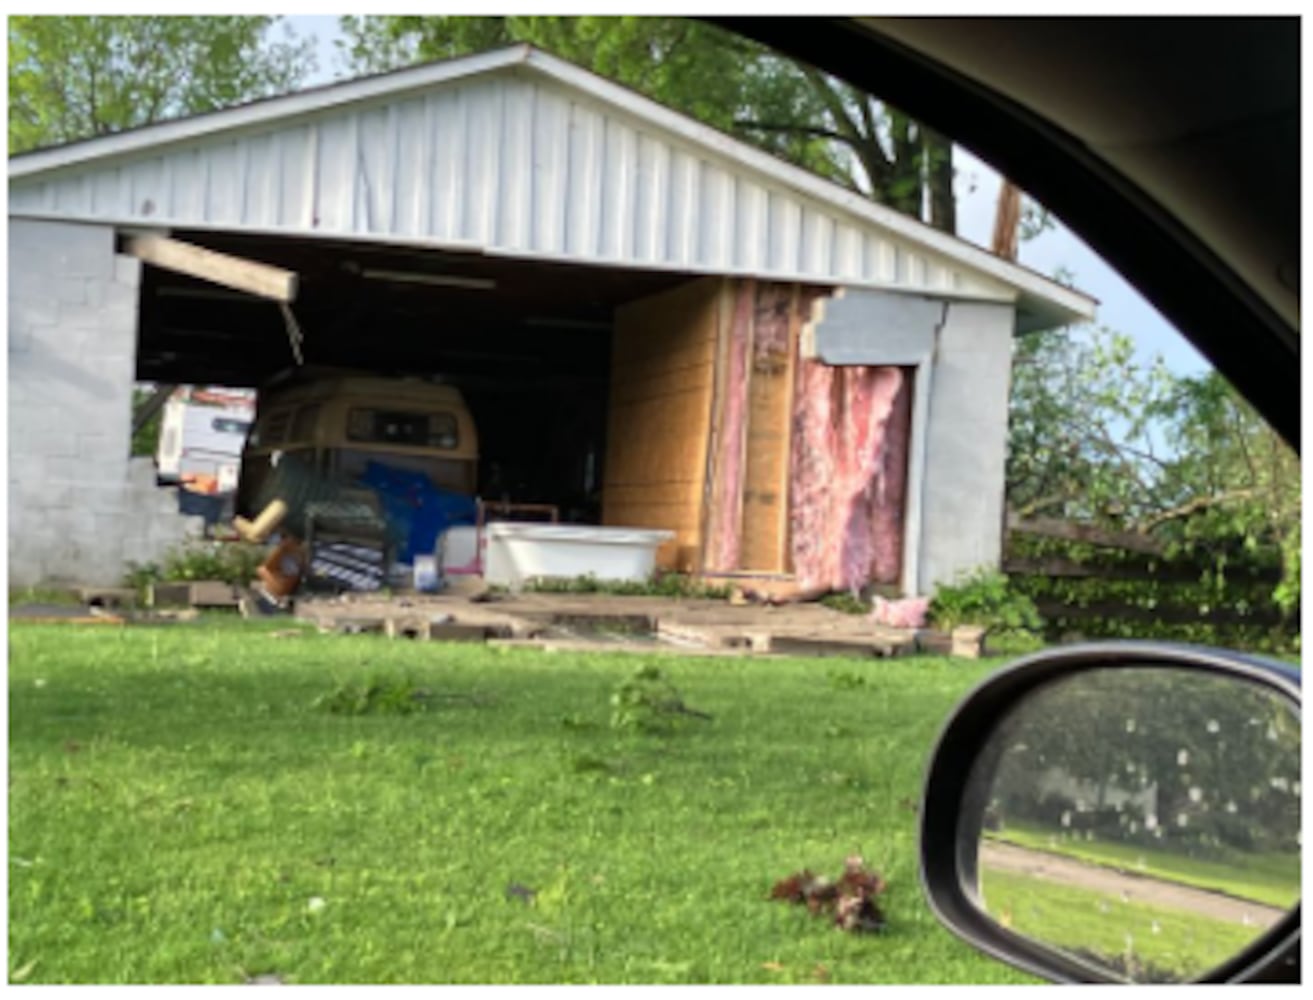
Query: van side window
{"points": [[229, 425], [423, 430], [273, 428], [303, 427]]}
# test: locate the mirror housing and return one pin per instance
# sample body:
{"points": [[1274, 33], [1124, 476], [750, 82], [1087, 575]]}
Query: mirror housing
{"points": [[949, 861]]}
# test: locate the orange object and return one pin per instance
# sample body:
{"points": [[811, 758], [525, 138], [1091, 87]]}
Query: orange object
{"points": [[281, 572]]}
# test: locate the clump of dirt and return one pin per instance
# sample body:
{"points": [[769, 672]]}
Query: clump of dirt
{"points": [[849, 901]]}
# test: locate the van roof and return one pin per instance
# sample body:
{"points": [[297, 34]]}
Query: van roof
{"points": [[346, 384]]}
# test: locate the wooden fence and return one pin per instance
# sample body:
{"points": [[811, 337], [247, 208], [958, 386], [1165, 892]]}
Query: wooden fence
{"points": [[1133, 586]]}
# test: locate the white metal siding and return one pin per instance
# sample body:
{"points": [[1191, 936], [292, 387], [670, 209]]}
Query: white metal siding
{"points": [[511, 162]]}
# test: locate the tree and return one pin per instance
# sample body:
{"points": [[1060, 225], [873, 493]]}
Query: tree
{"points": [[784, 107], [76, 77], [1095, 436]]}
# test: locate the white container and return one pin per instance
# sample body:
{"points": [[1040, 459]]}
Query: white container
{"points": [[426, 574], [458, 550], [516, 552]]}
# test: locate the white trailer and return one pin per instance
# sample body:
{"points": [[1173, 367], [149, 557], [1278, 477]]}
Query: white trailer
{"points": [[202, 433]]}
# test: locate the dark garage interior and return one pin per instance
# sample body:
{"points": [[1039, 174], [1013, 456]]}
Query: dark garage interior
{"points": [[528, 343]]}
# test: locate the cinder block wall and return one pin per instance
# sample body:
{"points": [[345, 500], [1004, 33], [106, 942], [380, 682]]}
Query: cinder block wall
{"points": [[79, 510]]}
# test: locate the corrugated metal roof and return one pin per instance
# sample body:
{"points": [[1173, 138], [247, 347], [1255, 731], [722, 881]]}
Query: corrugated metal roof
{"points": [[517, 153]]}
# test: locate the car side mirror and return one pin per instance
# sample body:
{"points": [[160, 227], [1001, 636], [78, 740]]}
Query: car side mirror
{"points": [[1122, 812]]}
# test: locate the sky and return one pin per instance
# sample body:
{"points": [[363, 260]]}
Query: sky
{"points": [[1121, 307]]}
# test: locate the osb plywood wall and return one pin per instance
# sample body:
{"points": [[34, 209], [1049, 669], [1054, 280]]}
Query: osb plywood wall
{"points": [[663, 372]]}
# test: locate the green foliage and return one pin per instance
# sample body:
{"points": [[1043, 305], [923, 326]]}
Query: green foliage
{"points": [[76, 77], [648, 702], [1183, 597], [1220, 756], [1286, 594], [661, 585], [229, 562], [43, 595], [786, 108], [984, 598], [1098, 438], [377, 696], [146, 439], [848, 604]]}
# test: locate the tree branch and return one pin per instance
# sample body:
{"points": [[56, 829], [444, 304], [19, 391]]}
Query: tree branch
{"points": [[1191, 507], [792, 127]]}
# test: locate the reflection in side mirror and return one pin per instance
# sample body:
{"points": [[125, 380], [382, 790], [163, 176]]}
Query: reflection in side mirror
{"points": [[1141, 821]]}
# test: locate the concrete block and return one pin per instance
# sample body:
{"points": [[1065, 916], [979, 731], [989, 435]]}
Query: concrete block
{"points": [[127, 270], [97, 446], [196, 594], [968, 641], [84, 251], [30, 307], [71, 291], [119, 297], [108, 597], [67, 248]]}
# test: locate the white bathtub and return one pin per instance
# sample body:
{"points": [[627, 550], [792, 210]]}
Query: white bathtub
{"points": [[519, 551]]}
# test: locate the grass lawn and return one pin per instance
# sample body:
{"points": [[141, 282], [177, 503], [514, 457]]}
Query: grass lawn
{"points": [[1175, 946], [1264, 878], [180, 812]]}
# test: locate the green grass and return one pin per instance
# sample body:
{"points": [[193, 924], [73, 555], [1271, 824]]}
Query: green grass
{"points": [[178, 808], [1180, 944], [1267, 878], [42, 595]]}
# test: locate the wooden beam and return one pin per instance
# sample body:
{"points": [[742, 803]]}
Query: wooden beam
{"points": [[1071, 531], [220, 268]]}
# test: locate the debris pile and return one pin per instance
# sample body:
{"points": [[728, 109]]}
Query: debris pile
{"points": [[850, 900]]}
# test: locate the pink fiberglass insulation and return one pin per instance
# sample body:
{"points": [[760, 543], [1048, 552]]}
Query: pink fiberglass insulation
{"points": [[727, 510], [889, 489], [845, 505]]}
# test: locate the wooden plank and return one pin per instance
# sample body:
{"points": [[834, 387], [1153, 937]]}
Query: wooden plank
{"points": [[1048, 527], [220, 268], [764, 534], [797, 645], [723, 531], [1159, 570], [151, 405], [1068, 569]]}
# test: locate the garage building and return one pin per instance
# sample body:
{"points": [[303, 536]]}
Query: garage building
{"points": [[653, 324]]}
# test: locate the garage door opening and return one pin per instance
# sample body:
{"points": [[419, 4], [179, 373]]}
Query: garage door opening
{"points": [[527, 344]]}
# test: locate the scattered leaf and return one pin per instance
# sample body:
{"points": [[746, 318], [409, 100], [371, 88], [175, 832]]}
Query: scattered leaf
{"points": [[773, 966], [23, 971], [850, 900], [315, 903]]}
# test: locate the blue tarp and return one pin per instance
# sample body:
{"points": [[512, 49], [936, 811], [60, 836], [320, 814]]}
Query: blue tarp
{"points": [[416, 511]]}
